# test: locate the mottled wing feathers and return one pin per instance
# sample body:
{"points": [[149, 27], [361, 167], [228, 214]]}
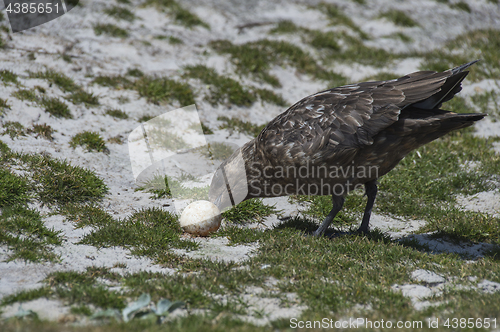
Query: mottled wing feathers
{"points": [[342, 120]]}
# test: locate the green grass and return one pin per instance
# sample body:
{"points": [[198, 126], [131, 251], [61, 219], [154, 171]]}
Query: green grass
{"points": [[148, 232], [42, 130], [427, 186], [338, 46], [337, 17], [112, 81], [217, 151], [135, 72], [240, 126], [488, 102], [119, 114], [180, 15], [14, 189], [171, 39], [399, 18], [14, 129], [26, 295], [121, 13], [64, 82], [86, 215], [4, 105], [252, 210], [55, 107], [80, 288], [284, 27], [478, 44], [25, 235], [25, 94], [222, 89], [227, 90], [145, 118], [110, 30], [84, 97], [161, 89], [91, 141], [331, 277], [461, 6], [403, 37], [8, 76], [55, 182], [256, 59]]}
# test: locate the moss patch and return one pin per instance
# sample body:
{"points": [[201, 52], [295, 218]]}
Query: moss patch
{"points": [[24, 233], [55, 107], [478, 44], [112, 81], [252, 210], [149, 232], [399, 18], [14, 129], [62, 81], [42, 130], [181, 15], [163, 89], [121, 13], [92, 141], [256, 58], [222, 89], [119, 114], [8, 76], [110, 30]]}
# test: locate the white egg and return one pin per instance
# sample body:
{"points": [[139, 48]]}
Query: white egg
{"points": [[200, 218]]}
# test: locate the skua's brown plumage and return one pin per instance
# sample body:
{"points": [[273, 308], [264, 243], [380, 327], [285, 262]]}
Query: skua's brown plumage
{"points": [[333, 135]]}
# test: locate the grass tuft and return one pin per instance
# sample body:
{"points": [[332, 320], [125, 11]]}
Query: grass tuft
{"points": [[112, 81], [110, 30], [25, 94], [256, 58], [62, 81], [24, 233], [121, 13], [4, 105], [86, 215], [92, 141], [119, 114], [222, 89], [240, 126], [84, 97], [181, 15], [163, 89], [42, 130], [477, 44], [14, 129], [14, 189], [55, 107], [148, 232], [8, 76], [399, 18], [252, 210], [337, 17], [461, 6]]}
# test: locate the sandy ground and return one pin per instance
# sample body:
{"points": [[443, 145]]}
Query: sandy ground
{"points": [[93, 55]]}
